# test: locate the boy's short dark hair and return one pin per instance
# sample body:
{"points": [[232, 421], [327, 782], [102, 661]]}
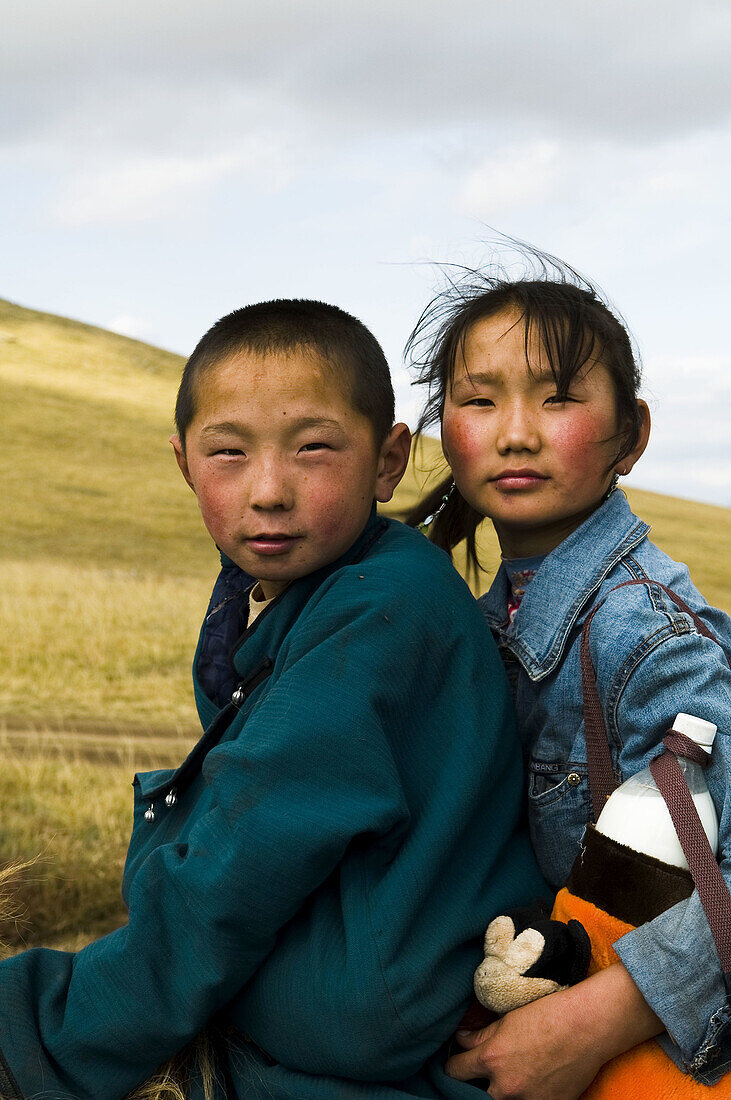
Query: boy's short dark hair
{"points": [[286, 324]]}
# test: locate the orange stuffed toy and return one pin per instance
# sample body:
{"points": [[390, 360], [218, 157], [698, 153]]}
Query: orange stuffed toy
{"points": [[611, 889]]}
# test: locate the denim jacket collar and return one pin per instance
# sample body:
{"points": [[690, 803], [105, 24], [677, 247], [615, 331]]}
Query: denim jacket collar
{"points": [[569, 576]]}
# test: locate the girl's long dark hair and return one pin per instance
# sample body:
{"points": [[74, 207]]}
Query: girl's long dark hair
{"points": [[571, 324]]}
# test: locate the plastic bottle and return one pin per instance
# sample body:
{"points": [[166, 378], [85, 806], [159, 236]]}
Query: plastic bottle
{"points": [[636, 815]]}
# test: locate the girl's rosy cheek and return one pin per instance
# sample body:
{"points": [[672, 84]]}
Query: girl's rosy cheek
{"points": [[581, 435], [462, 439]]}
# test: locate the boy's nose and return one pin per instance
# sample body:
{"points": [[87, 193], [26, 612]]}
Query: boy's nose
{"points": [[517, 432], [270, 488]]}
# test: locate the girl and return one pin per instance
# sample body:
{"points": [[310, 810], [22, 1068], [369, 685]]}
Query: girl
{"points": [[535, 384]]}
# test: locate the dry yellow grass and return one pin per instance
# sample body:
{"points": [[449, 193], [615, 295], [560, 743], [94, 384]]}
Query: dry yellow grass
{"points": [[68, 817], [87, 471], [72, 817], [48, 352], [81, 642]]}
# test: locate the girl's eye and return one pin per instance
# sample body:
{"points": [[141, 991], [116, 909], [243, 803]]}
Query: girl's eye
{"points": [[480, 402], [555, 399]]}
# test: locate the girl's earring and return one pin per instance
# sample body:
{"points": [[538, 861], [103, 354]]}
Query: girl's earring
{"points": [[430, 519]]}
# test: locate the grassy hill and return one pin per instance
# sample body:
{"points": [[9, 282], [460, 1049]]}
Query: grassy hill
{"points": [[106, 566]]}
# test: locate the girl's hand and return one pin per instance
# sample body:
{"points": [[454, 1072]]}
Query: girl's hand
{"points": [[553, 1048], [528, 1055]]}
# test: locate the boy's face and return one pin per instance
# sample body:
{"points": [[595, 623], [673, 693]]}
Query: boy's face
{"points": [[284, 468]]}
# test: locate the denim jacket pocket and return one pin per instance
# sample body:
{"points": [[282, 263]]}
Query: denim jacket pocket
{"points": [[559, 807]]}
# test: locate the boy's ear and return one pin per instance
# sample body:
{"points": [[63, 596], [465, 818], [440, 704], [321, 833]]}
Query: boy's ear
{"points": [[625, 465], [392, 461], [181, 459]]}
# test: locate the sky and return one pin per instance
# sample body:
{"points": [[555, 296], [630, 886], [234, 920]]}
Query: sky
{"points": [[163, 162]]}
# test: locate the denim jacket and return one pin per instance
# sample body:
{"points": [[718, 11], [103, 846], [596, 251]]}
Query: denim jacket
{"points": [[651, 664]]}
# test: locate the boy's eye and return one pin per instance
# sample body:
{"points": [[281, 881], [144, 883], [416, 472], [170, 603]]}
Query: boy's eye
{"points": [[229, 451], [318, 446]]}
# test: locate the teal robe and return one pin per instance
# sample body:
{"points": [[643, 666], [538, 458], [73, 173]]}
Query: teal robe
{"points": [[317, 875]]}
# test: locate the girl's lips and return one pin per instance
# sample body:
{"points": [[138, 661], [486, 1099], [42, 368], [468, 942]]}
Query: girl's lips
{"points": [[519, 479], [271, 544]]}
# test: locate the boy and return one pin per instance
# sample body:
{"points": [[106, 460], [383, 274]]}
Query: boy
{"points": [[312, 881]]}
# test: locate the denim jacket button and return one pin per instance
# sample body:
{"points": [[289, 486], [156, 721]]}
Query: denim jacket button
{"points": [[573, 779]]}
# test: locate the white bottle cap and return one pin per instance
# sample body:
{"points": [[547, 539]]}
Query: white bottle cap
{"points": [[697, 729]]}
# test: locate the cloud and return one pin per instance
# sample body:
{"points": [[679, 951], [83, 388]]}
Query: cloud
{"points": [[690, 447], [135, 191], [539, 173], [135, 110], [635, 70], [128, 325], [516, 176], [689, 476], [141, 189]]}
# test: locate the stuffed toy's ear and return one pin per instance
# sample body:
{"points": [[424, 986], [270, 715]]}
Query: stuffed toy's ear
{"points": [[527, 955]]}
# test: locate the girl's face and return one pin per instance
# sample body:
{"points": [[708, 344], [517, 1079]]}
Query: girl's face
{"points": [[536, 466]]}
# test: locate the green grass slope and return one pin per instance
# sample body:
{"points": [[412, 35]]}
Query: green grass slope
{"points": [[106, 567]]}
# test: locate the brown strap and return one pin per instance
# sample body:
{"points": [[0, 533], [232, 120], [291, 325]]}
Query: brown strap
{"points": [[679, 744], [600, 770], [704, 869]]}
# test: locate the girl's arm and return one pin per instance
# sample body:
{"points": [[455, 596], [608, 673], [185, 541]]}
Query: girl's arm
{"points": [[673, 959], [553, 1048]]}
